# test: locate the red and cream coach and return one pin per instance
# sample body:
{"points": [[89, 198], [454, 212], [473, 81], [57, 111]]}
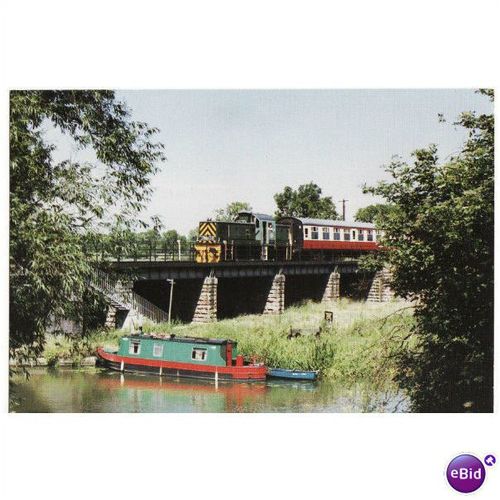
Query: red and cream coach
{"points": [[314, 238]]}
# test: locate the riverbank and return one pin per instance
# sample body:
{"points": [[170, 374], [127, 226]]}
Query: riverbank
{"points": [[356, 346]]}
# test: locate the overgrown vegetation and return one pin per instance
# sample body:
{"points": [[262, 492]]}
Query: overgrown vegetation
{"points": [[54, 201], [359, 345], [440, 239]]}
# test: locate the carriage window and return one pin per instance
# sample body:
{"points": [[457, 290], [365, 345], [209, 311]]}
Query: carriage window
{"points": [[199, 354], [353, 234], [336, 234], [306, 232], [361, 235], [257, 223], [326, 233], [158, 350], [369, 236], [347, 235], [314, 233], [134, 347]]}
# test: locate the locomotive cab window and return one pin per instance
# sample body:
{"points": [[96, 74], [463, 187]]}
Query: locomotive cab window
{"points": [[134, 347], [199, 354], [314, 233]]}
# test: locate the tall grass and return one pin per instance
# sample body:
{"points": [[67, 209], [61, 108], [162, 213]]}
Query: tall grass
{"points": [[358, 345]]}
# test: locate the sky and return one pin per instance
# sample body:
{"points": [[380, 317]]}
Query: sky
{"points": [[247, 145]]}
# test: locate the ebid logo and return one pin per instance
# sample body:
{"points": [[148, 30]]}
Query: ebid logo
{"points": [[466, 473]]}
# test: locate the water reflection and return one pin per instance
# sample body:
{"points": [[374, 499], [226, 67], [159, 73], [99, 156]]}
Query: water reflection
{"points": [[91, 390]]}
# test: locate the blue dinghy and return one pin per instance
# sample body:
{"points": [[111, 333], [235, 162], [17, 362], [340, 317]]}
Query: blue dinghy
{"points": [[292, 374]]}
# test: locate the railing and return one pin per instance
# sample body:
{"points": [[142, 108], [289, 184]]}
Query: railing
{"points": [[128, 299], [147, 308], [157, 251], [149, 251]]}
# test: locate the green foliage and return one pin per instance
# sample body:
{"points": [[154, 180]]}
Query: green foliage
{"points": [[124, 242], [371, 262], [358, 346], [231, 211], [306, 201], [440, 242], [374, 213], [52, 203]]}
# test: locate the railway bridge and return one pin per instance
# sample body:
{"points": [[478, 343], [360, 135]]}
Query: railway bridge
{"points": [[183, 290]]}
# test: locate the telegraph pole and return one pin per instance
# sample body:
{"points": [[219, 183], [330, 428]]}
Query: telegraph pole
{"points": [[343, 208]]}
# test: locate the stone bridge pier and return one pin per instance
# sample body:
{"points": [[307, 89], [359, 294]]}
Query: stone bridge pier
{"points": [[219, 299], [206, 306]]}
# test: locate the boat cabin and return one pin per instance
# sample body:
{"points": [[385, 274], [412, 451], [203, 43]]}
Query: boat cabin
{"points": [[214, 352]]}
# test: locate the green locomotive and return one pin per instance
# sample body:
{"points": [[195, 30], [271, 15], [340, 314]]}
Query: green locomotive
{"points": [[251, 236]]}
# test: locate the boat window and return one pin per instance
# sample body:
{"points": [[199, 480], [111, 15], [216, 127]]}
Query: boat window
{"points": [[158, 350], [199, 354], [134, 347], [314, 233]]}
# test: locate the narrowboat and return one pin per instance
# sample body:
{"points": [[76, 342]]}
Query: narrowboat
{"points": [[284, 373], [192, 357]]}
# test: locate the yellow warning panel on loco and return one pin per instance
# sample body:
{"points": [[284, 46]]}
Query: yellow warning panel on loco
{"points": [[207, 229], [207, 254]]}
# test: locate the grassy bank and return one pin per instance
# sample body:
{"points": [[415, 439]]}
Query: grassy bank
{"points": [[357, 346]]}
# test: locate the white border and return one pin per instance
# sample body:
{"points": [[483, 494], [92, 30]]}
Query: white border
{"points": [[229, 44]]}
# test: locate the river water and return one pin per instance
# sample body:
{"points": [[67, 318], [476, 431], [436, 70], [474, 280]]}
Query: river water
{"points": [[98, 390]]}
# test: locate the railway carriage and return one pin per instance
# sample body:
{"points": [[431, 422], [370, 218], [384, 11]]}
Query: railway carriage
{"points": [[323, 238]]}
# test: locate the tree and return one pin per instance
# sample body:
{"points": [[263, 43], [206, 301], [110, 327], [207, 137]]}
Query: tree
{"points": [[373, 212], [53, 203], [440, 247], [192, 234], [306, 201], [231, 211]]}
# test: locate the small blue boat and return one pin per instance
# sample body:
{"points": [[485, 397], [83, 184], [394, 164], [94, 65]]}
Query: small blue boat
{"points": [[292, 374]]}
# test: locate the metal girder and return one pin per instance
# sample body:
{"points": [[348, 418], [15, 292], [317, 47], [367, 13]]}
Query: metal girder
{"points": [[191, 270]]}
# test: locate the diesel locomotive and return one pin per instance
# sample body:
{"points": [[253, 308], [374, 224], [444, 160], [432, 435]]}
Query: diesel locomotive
{"points": [[256, 236]]}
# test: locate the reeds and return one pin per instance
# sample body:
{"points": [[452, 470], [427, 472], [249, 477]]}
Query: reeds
{"points": [[360, 344]]}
